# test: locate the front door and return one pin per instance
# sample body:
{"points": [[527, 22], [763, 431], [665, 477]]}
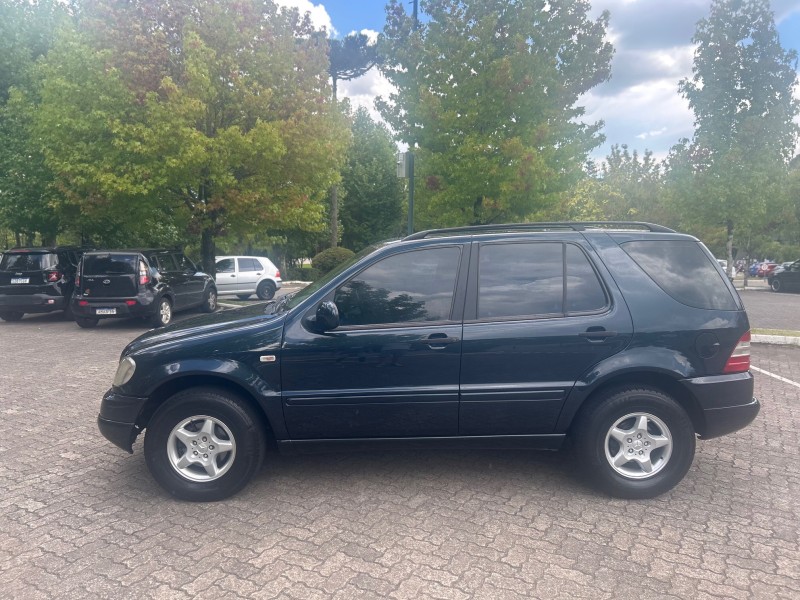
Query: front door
{"points": [[391, 368], [537, 318], [226, 276]]}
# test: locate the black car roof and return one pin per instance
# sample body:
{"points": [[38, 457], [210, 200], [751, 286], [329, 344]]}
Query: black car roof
{"points": [[43, 249], [137, 251]]}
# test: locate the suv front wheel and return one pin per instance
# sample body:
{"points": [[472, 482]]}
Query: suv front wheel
{"points": [[635, 442], [12, 316], [204, 444]]}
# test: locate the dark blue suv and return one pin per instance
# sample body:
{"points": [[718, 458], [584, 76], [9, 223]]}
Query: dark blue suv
{"points": [[626, 339]]}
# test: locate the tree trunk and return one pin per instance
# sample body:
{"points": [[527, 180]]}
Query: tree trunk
{"points": [[208, 250], [334, 216]]}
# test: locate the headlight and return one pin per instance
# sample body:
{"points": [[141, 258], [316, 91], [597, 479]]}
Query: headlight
{"points": [[124, 371]]}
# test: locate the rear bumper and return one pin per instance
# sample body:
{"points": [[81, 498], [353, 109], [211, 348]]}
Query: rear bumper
{"points": [[726, 402], [31, 303], [117, 419], [145, 307]]}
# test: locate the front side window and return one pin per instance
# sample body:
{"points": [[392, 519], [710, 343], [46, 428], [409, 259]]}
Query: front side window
{"points": [[412, 287], [225, 265], [166, 263]]}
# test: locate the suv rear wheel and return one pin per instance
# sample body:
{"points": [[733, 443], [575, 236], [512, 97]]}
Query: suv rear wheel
{"points": [[265, 290], [163, 316], [635, 442], [12, 315], [209, 301], [776, 286], [204, 444]]}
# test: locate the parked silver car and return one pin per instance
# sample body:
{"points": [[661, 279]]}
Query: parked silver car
{"points": [[244, 276]]}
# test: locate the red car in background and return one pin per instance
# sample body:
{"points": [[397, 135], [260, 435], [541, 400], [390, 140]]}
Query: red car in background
{"points": [[764, 269]]}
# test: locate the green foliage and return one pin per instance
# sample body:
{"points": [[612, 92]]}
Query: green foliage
{"points": [[733, 175], [330, 258], [351, 57], [373, 195], [486, 94]]}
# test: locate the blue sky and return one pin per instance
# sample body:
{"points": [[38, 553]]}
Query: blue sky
{"points": [[640, 105]]}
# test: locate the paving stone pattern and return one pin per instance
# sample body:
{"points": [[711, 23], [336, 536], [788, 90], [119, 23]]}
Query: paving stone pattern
{"points": [[81, 519]]}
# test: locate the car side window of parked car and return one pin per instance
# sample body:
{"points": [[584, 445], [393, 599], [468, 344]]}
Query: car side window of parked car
{"points": [[225, 265], [415, 286], [585, 293], [184, 264], [166, 263], [248, 264]]}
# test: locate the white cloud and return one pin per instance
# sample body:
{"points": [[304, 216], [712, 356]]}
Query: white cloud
{"points": [[319, 15], [363, 90]]}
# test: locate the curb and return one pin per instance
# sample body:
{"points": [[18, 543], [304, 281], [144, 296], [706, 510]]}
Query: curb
{"points": [[781, 340]]}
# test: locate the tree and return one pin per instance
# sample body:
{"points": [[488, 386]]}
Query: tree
{"points": [[373, 207], [487, 96], [27, 186], [638, 183], [741, 92], [350, 57], [218, 114]]}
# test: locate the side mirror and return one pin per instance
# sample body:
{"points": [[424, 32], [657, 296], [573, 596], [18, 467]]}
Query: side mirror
{"points": [[327, 316]]}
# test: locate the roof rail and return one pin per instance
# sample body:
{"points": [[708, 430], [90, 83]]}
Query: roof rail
{"points": [[544, 226]]}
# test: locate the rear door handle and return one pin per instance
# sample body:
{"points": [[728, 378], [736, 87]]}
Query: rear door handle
{"points": [[598, 334]]}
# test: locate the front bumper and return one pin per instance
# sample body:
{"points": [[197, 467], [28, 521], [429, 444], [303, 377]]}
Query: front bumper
{"points": [[32, 303], [117, 419], [726, 402]]}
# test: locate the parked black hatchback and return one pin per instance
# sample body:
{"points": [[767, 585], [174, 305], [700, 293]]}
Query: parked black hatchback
{"points": [[626, 339], [151, 284], [37, 280]]}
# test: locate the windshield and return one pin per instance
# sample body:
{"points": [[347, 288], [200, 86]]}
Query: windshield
{"points": [[298, 297], [27, 261]]}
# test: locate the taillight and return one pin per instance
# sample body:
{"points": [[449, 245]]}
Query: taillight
{"points": [[277, 274], [130, 302], [83, 303], [739, 361], [53, 276], [144, 278]]}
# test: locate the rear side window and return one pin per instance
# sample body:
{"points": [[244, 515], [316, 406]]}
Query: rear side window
{"points": [[109, 264], [166, 263], [248, 264], [28, 261], [683, 271], [527, 280]]}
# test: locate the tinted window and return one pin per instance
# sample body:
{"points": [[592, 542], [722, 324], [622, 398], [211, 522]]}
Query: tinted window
{"points": [[248, 264], [683, 270], [166, 263], [520, 280], [410, 287], [27, 261], [584, 291], [109, 264], [225, 265], [184, 264]]}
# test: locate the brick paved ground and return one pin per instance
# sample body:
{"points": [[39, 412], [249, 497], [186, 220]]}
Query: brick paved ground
{"points": [[81, 519]]}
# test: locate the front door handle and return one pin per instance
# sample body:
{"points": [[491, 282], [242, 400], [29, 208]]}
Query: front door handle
{"points": [[438, 341], [597, 334]]}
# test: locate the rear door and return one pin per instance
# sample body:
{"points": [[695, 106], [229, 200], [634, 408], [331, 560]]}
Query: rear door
{"points": [[174, 278], [110, 275], [538, 316], [195, 282], [249, 272]]}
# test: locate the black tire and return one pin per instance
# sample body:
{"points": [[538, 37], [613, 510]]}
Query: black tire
{"points": [[776, 285], [163, 316], [12, 315], [266, 290], [594, 443], [246, 437], [86, 322], [243, 296], [209, 301]]}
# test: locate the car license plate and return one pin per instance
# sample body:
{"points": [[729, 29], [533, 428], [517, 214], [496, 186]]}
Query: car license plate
{"points": [[105, 311], [20, 280]]}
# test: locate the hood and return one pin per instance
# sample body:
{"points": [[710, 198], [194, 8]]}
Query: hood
{"points": [[205, 326]]}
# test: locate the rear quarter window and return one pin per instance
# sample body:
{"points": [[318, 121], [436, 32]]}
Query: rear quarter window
{"points": [[683, 270]]}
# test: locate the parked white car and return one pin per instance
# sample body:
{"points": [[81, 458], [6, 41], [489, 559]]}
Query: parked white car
{"points": [[244, 276]]}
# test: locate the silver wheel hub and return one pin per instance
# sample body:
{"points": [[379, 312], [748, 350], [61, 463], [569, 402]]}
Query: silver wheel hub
{"points": [[638, 445], [166, 312], [212, 300], [201, 448]]}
